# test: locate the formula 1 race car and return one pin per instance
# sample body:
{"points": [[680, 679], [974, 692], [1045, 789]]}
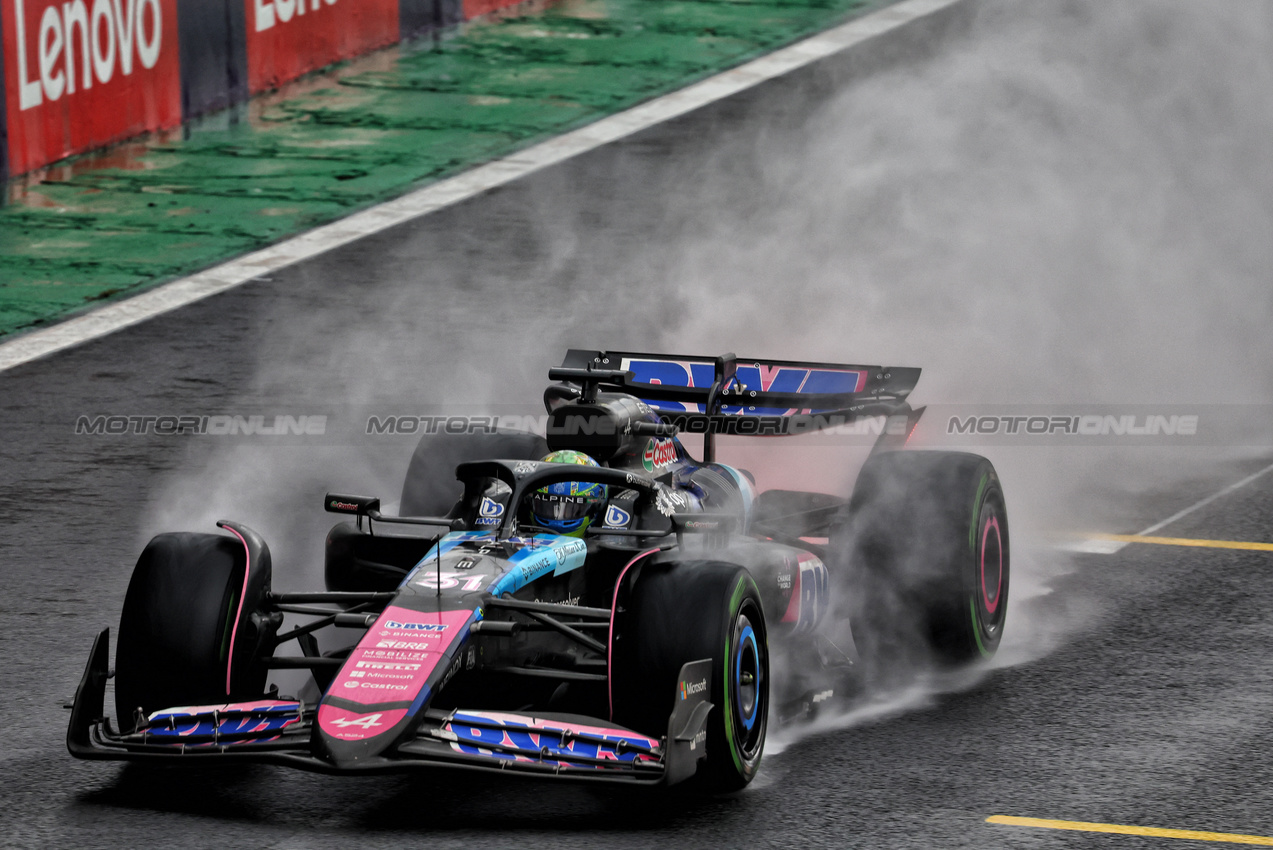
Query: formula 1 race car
{"points": [[593, 604]]}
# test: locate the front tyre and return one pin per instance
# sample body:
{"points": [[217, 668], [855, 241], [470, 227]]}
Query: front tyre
{"points": [[682, 612], [192, 631]]}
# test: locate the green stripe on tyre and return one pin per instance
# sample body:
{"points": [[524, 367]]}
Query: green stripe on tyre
{"points": [[734, 603], [739, 590], [976, 503]]}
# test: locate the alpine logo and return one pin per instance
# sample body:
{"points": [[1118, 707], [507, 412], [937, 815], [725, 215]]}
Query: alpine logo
{"points": [[365, 721], [659, 454], [616, 517]]}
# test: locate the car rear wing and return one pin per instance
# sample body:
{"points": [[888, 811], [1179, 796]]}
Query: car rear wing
{"points": [[743, 396]]}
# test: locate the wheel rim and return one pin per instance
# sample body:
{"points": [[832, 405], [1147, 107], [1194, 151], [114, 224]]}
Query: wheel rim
{"points": [[991, 564], [748, 685], [991, 571]]}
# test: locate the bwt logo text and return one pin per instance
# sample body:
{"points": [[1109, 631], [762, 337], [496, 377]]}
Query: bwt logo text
{"points": [[73, 45]]}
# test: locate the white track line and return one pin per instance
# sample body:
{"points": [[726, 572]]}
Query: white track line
{"points": [[1109, 547], [1226, 491], [170, 296]]}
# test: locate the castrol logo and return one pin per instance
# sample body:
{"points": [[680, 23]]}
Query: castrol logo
{"points": [[658, 454]]}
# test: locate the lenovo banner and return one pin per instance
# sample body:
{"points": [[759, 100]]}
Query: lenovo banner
{"points": [[83, 73], [287, 38]]}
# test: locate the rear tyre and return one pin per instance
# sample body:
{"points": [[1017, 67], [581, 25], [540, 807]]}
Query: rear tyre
{"points": [[926, 549], [430, 488], [192, 631], [677, 613]]}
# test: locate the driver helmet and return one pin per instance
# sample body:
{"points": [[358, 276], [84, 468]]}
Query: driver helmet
{"points": [[568, 507]]}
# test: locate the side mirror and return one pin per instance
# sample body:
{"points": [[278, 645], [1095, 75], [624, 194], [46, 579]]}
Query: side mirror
{"points": [[357, 505]]}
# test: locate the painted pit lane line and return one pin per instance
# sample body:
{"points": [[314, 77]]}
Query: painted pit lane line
{"points": [[1108, 544], [171, 296], [1121, 829], [1186, 541]]}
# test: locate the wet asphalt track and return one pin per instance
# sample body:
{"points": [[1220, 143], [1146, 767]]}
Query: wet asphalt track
{"points": [[1152, 707]]}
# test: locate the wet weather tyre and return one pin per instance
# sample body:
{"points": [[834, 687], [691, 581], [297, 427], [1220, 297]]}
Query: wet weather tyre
{"points": [[926, 549], [191, 631], [430, 488], [682, 612]]}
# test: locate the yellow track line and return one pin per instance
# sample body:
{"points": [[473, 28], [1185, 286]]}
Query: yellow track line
{"points": [[1185, 541], [1154, 832]]}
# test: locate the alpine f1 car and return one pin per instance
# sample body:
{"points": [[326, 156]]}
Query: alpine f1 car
{"points": [[593, 604]]}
